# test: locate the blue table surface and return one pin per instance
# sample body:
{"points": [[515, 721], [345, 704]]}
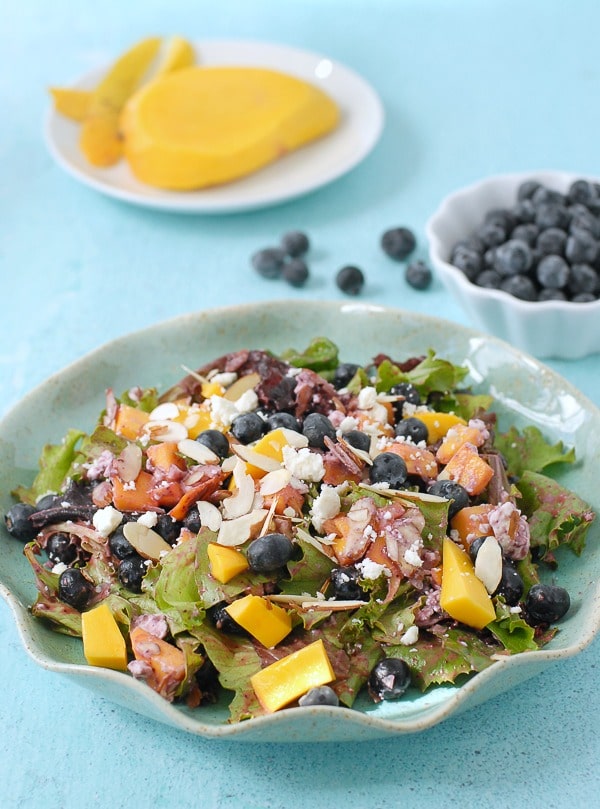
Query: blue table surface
{"points": [[469, 89]]}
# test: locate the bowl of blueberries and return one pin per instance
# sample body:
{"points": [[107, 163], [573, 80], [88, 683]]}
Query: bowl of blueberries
{"points": [[521, 253]]}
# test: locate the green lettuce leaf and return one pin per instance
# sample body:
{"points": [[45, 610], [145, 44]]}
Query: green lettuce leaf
{"points": [[308, 573], [468, 405], [321, 356], [174, 589], [54, 465], [528, 450], [515, 634]]}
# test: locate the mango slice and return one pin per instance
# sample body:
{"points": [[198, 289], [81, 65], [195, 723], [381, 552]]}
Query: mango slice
{"points": [[287, 679], [100, 139], [469, 469], [463, 595], [204, 126], [438, 424], [225, 562], [265, 621], [71, 103], [103, 643]]}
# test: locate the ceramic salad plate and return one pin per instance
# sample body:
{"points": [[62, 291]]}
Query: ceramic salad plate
{"points": [[296, 174], [526, 392]]}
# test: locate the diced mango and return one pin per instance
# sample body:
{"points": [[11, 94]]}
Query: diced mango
{"points": [[438, 424], [471, 522], [455, 438], [287, 679], [129, 421], [265, 621], [418, 461], [167, 662], [225, 562], [103, 643], [209, 389], [271, 445], [195, 419], [134, 498], [463, 596], [165, 455], [469, 469]]}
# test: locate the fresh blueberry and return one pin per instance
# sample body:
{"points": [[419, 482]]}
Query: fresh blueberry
{"points": [[295, 243], [285, 420], [247, 427], [581, 248], [48, 501], [489, 257], [406, 392], [412, 428], [553, 271], [583, 278], [119, 545], [345, 586], [450, 490], [501, 217], [319, 695], [583, 191], [492, 234], [389, 679], [18, 522], [316, 428], [389, 468], [418, 275], [547, 196], [549, 294], [60, 548], [520, 286], [583, 219], [192, 520], [358, 440], [350, 280], [468, 261], [583, 297], [74, 589], [527, 233], [131, 572], [511, 585], [168, 528], [398, 243], [524, 213], [546, 604], [551, 215], [527, 189], [269, 262], [551, 241], [489, 279], [223, 621], [215, 441], [344, 373], [475, 546], [295, 272], [269, 552], [513, 257]]}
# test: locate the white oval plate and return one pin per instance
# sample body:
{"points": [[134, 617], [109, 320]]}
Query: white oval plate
{"points": [[526, 392], [298, 173]]}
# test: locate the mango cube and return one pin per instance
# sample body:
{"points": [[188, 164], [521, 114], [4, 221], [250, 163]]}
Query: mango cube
{"points": [[129, 421], [103, 643], [225, 562], [271, 445], [287, 679], [463, 595], [265, 621], [437, 424]]}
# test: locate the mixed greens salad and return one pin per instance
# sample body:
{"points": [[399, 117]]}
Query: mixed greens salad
{"points": [[291, 530]]}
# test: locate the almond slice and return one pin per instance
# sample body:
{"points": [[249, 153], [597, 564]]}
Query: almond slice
{"points": [[129, 463], [255, 458], [274, 481], [488, 564], [166, 410], [241, 501], [240, 386], [209, 514], [236, 532], [146, 542], [196, 451], [165, 430]]}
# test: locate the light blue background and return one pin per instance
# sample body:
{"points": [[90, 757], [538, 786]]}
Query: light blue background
{"points": [[470, 88]]}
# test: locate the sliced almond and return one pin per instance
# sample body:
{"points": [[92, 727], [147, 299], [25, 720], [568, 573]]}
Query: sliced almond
{"points": [[488, 564], [129, 463], [274, 481], [240, 502], [164, 411], [196, 451], [209, 514], [255, 458], [240, 386], [146, 542], [236, 532], [165, 430], [294, 439]]}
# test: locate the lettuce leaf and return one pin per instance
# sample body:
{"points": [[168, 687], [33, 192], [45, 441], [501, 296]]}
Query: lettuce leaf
{"points": [[515, 634], [431, 374], [54, 465], [529, 451], [321, 356]]}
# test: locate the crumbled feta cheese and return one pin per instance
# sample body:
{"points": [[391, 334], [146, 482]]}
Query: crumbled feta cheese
{"points": [[367, 398], [106, 519], [410, 636], [303, 464], [411, 555], [325, 506], [226, 378], [293, 371], [370, 532], [222, 410], [149, 519], [59, 568], [347, 424], [129, 486], [372, 570], [247, 402]]}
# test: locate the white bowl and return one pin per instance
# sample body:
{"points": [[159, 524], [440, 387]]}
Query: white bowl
{"points": [[544, 329]]}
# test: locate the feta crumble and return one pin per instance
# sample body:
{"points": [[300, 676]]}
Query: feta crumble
{"points": [[303, 464], [106, 519]]}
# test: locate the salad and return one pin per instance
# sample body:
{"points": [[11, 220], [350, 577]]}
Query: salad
{"points": [[283, 531]]}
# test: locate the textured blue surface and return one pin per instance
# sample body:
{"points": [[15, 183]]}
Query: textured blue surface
{"points": [[470, 89]]}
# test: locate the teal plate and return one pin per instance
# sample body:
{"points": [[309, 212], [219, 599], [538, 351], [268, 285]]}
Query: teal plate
{"points": [[526, 391]]}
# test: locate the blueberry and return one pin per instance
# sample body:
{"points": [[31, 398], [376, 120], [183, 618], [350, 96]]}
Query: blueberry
{"points": [[583, 297], [511, 584], [475, 546], [450, 490], [389, 468], [18, 523], [489, 257], [551, 241], [418, 275], [583, 219], [398, 243], [524, 213], [269, 552], [48, 501], [319, 695], [295, 272], [583, 278], [527, 189], [344, 373], [269, 262], [581, 248], [553, 272], [406, 392], [216, 441], [389, 679], [285, 420], [295, 243], [520, 286], [344, 582], [513, 257], [551, 215], [549, 294], [547, 196], [472, 242], [168, 528], [583, 191], [350, 280], [60, 549], [192, 521], [527, 233], [247, 427], [316, 428], [546, 604], [468, 261], [223, 621], [119, 546], [412, 428], [501, 217], [492, 234], [74, 589], [131, 572], [489, 279], [358, 440]]}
